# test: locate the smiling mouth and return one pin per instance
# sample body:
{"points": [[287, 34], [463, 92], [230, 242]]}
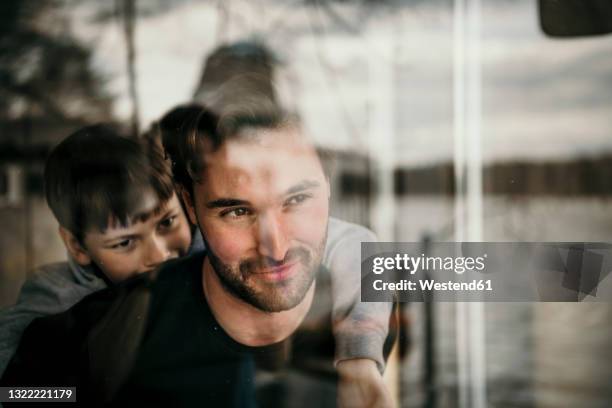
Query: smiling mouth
{"points": [[277, 273]]}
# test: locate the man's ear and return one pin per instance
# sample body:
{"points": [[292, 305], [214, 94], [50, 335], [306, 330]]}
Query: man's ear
{"points": [[75, 249], [187, 200]]}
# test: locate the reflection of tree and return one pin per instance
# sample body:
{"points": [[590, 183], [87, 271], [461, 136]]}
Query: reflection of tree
{"points": [[43, 70]]}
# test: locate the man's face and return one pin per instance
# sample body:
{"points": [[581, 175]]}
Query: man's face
{"points": [[122, 252], [262, 207]]}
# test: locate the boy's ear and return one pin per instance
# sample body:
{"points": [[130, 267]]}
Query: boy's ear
{"points": [[76, 250], [189, 206]]}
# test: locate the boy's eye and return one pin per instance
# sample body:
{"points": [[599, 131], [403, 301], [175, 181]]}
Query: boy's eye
{"points": [[236, 212], [296, 199], [125, 244], [167, 222]]}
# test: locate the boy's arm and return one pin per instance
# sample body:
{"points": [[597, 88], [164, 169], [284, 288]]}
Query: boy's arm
{"points": [[52, 289], [360, 329]]}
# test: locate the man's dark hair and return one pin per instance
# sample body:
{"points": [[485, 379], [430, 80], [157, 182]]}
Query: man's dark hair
{"points": [[188, 132], [96, 176]]}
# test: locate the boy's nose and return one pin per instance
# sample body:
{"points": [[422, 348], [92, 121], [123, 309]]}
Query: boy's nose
{"points": [[157, 252], [272, 240]]}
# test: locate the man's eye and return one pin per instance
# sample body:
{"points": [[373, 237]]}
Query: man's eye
{"points": [[125, 244], [297, 199], [167, 223], [236, 212]]}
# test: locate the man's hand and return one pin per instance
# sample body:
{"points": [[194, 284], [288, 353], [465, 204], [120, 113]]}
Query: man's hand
{"points": [[361, 385]]}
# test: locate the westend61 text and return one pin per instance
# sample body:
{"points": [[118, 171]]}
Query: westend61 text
{"points": [[430, 284]]}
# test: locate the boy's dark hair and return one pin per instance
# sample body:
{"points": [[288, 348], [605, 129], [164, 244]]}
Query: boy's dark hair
{"points": [[96, 176], [188, 132]]}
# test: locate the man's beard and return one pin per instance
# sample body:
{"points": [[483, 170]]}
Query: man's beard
{"points": [[270, 297]]}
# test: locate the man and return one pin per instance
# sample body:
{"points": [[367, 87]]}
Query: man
{"points": [[260, 195]]}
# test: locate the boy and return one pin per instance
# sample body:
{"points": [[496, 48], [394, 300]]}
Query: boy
{"points": [[119, 216]]}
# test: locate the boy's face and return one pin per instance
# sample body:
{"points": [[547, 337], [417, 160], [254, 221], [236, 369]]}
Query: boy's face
{"points": [[263, 208], [122, 252]]}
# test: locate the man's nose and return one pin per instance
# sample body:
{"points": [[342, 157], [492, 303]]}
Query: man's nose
{"points": [[272, 240], [157, 252]]}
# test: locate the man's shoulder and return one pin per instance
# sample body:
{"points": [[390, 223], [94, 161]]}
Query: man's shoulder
{"points": [[188, 262], [178, 270]]}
